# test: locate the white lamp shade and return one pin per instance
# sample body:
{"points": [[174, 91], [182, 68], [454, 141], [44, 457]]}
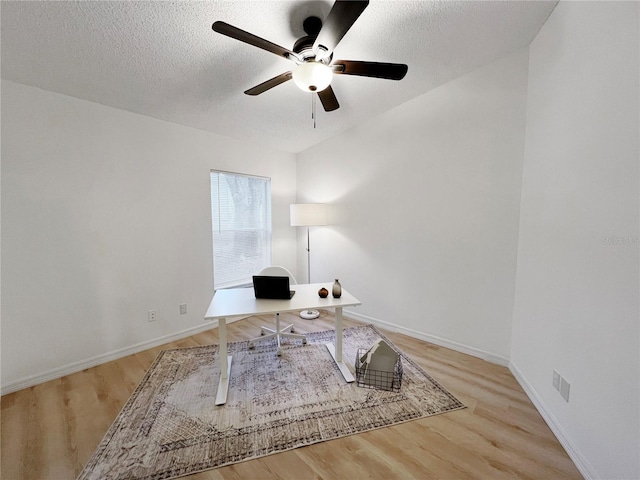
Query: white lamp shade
{"points": [[312, 76], [308, 214]]}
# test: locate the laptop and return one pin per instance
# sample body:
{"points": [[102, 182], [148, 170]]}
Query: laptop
{"points": [[274, 288]]}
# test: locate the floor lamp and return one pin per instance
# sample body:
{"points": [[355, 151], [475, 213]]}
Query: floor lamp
{"points": [[308, 215]]}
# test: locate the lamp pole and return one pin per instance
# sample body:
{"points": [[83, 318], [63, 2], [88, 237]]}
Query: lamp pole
{"points": [[308, 258]]}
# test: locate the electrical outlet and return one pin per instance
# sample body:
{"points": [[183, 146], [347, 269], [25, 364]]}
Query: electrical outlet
{"points": [[556, 380], [183, 308], [152, 315], [564, 389]]}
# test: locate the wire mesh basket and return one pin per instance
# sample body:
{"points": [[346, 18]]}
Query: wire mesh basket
{"points": [[367, 378]]}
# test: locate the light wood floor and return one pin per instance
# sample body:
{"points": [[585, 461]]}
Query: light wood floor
{"points": [[49, 431]]}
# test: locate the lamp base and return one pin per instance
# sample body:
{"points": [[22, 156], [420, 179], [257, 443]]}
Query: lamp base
{"points": [[309, 314]]}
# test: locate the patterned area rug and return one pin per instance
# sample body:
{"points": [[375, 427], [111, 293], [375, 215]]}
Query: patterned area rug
{"points": [[170, 426]]}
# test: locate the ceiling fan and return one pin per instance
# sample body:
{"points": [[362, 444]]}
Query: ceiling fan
{"points": [[313, 54]]}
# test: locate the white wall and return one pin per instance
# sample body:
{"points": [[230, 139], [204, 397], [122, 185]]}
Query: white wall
{"points": [[424, 205], [106, 215], [576, 304]]}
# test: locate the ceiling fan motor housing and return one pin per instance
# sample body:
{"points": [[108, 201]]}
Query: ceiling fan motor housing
{"points": [[304, 48]]}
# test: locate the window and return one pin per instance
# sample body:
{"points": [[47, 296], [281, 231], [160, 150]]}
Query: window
{"points": [[241, 219]]}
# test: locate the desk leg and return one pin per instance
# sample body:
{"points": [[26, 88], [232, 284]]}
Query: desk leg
{"points": [[225, 363], [336, 352]]}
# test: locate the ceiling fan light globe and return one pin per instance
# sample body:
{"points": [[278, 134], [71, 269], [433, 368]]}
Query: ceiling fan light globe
{"points": [[312, 76]]}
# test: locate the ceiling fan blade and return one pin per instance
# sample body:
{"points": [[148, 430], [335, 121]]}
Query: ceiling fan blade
{"points": [[391, 71], [251, 39], [328, 99], [273, 82], [342, 16]]}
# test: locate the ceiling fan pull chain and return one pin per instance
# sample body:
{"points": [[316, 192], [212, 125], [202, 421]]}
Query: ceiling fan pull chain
{"points": [[313, 109]]}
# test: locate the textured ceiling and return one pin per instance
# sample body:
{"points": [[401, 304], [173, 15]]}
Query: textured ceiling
{"points": [[162, 59]]}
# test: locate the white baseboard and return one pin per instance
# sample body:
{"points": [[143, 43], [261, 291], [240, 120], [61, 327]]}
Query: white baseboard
{"points": [[574, 453], [74, 367], [458, 347]]}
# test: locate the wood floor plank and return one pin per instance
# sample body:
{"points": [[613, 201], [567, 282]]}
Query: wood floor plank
{"points": [[49, 431]]}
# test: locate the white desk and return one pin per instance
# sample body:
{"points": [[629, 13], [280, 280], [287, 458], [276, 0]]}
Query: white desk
{"points": [[242, 302]]}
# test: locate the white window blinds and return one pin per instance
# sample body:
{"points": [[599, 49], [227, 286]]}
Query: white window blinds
{"points": [[241, 219]]}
